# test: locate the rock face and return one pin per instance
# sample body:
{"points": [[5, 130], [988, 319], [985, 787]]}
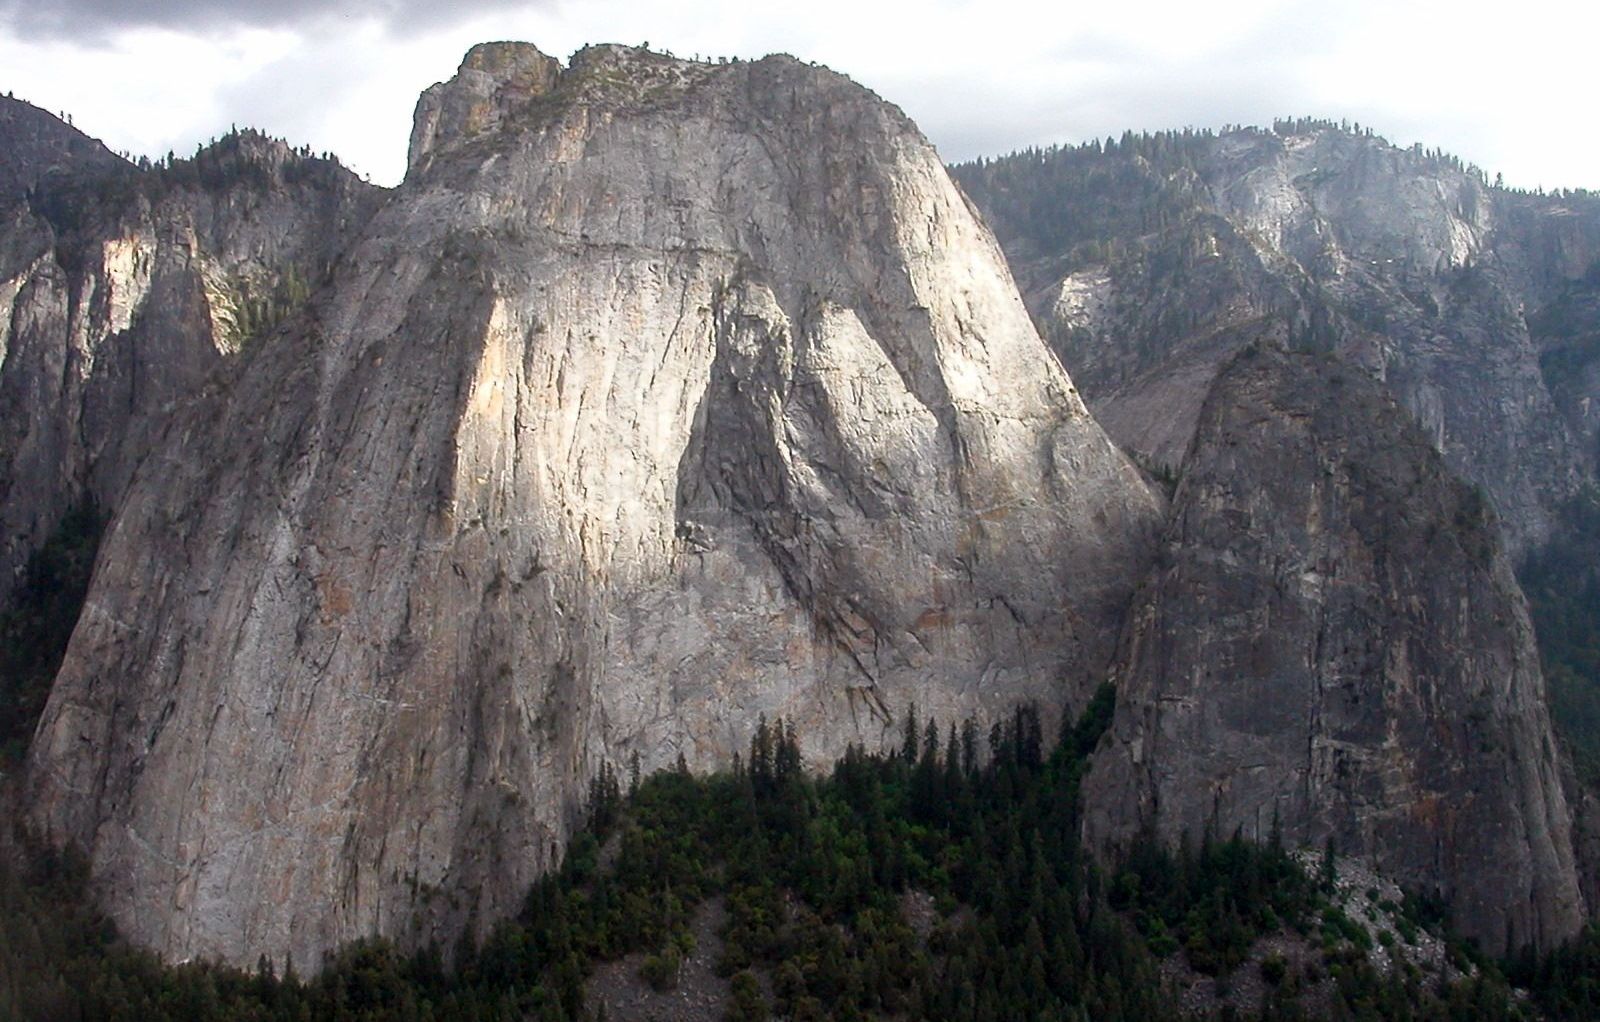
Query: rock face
{"points": [[1554, 244], [496, 81], [123, 291], [1149, 262], [1334, 643], [662, 395]]}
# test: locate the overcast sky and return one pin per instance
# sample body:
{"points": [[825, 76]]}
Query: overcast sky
{"points": [[1510, 87]]}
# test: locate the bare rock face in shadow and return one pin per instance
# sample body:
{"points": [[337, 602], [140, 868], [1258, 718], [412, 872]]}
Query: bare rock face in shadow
{"points": [[1333, 644]]}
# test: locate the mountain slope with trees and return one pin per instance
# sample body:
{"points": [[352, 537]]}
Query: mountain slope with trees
{"points": [[814, 872]]}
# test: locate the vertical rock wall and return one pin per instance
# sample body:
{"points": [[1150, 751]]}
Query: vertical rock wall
{"points": [[1333, 643]]}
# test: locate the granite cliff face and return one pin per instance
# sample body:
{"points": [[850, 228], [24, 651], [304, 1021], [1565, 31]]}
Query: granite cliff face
{"points": [[1149, 262], [124, 291], [1334, 644], [660, 396], [663, 395]]}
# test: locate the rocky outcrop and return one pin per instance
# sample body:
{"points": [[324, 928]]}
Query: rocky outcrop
{"points": [[1333, 644], [123, 291], [662, 395], [1149, 262], [495, 83]]}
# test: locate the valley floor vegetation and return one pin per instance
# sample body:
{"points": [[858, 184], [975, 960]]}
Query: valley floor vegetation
{"points": [[813, 872]]}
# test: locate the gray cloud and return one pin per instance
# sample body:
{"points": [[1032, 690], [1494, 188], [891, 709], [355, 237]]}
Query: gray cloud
{"points": [[1032, 72], [1261, 70], [96, 21]]}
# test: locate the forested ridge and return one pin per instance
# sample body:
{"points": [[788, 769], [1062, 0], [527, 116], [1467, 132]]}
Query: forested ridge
{"points": [[813, 872], [1090, 199]]}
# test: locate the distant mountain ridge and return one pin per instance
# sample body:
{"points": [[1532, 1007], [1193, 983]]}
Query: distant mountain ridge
{"points": [[1151, 262], [1148, 261]]}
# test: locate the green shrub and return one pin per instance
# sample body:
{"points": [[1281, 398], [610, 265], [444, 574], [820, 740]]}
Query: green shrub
{"points": [[1273, 968], [661, 971]]}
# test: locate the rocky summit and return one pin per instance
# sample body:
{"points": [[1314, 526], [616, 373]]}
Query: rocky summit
{"points": [[661, 396]]}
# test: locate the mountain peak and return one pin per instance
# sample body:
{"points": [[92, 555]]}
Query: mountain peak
{"points": [[508, 60], [495, 81], [504, 83]]}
